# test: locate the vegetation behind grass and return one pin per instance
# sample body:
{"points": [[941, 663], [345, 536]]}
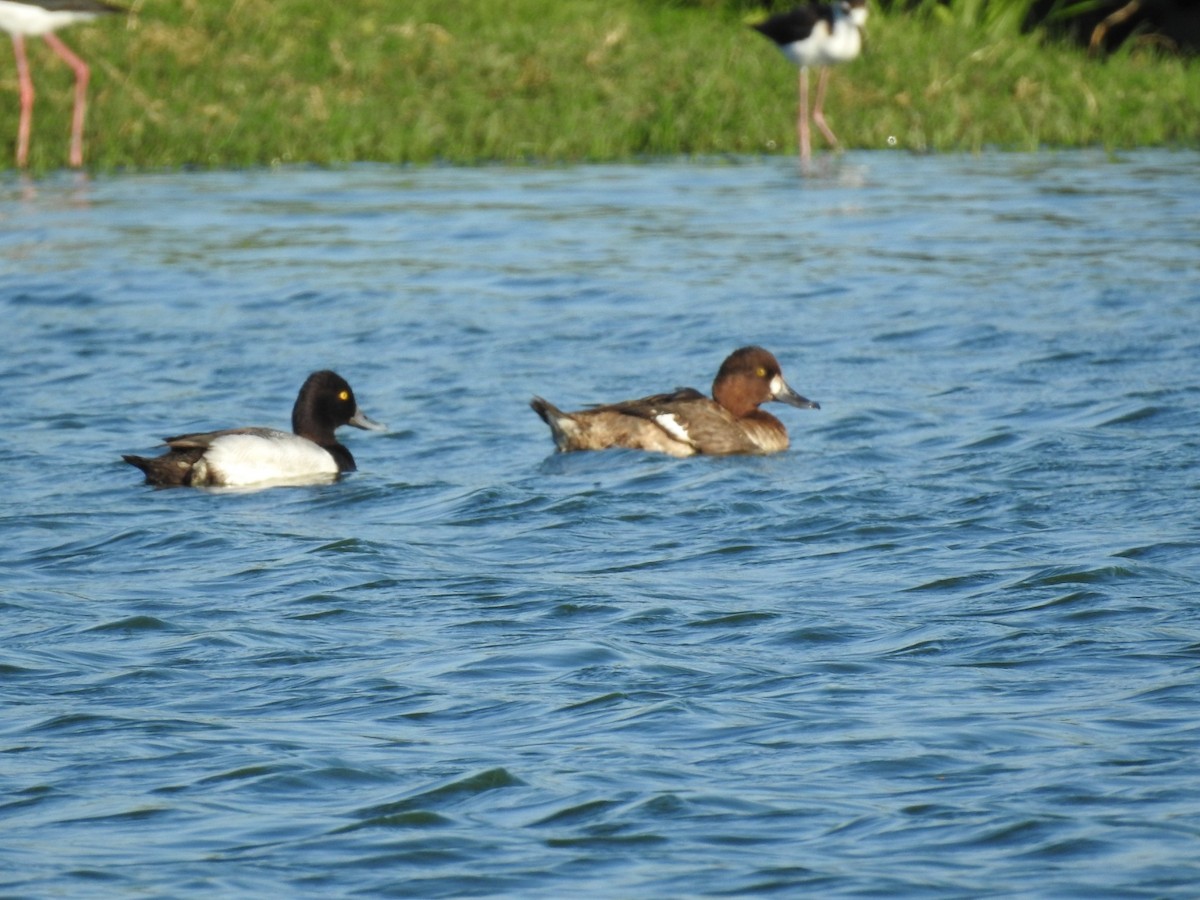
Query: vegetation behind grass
{"points": [[227, 83]]}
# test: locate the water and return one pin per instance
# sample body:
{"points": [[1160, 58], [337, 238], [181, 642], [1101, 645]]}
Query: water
{"points": [[947, 646]]}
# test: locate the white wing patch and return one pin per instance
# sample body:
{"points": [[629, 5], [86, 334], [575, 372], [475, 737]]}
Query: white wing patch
{"points": [[241, 459], [672, 426]]}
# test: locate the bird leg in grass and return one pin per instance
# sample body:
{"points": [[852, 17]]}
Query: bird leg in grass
{"points": [[802, 135], [25, 125], [819, 109], [82, 74], [26, 83]]}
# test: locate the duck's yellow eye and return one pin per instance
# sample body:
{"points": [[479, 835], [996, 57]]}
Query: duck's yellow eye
{"points": [[761, 372], [344, 395]]}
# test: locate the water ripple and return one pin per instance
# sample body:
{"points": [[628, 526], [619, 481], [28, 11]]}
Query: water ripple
{"points": [[945, 646]]}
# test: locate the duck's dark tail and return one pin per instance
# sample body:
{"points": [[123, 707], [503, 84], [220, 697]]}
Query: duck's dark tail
{"points": [[169, 469], [544, 408], [140, 461], [555, 418]]}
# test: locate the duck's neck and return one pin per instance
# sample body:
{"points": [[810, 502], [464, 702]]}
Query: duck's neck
{"points": [[345, 462]]}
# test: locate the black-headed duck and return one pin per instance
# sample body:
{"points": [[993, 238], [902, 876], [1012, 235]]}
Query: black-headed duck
{"points": [[250, 456]]}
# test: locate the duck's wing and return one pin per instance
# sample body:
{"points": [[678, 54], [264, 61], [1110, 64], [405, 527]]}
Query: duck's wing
{"points": [[202, 440], [694, 419], [649, 407]]}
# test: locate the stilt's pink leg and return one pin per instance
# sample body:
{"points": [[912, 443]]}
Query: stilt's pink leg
{"points": [[818, 111], [802, 135], [26, 83], [82, 74]]}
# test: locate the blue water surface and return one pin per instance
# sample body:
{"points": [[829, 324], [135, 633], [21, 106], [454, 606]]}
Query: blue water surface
{"points": [[946, 646]]}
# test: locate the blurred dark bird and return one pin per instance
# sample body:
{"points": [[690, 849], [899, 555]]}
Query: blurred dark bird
{"points": [[821, 35]]}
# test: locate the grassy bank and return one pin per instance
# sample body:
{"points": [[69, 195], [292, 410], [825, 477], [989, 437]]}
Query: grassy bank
{"points": [[250, 82]]}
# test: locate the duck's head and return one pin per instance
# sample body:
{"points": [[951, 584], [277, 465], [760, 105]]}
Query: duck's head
{"points": [[750, 377]]}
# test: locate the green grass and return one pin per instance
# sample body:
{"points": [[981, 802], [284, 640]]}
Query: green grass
{"points": [[227, 83]]}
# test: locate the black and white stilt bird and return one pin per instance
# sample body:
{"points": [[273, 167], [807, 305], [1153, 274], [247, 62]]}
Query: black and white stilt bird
{"points": [[817, 35], [32, 18]]}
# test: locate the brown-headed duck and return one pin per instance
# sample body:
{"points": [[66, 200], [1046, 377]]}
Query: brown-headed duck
{"points": [[685, 422]]}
